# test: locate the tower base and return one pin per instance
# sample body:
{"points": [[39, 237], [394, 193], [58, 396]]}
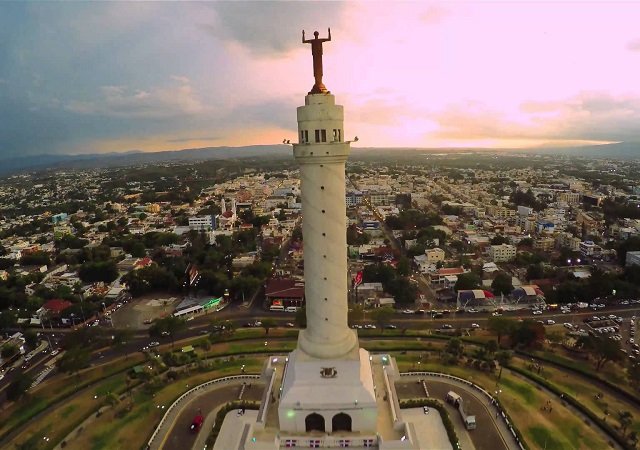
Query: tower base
{"points": [[328, 395]]}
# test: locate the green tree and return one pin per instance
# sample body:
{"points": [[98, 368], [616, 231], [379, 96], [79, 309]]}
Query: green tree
{"points": [[535, 271], [301, 317], [170, 324], [633, 375], [31, 338], [19, 387], [35, 259], [138, 250], [467, 281], [8, 351], [105, 271], [404, 266], [504, 358], [355, 314], [73, 360], [500, 326], [499, 240], [454, 347], [491, 346], [603, 349], [626, 419], [502, 284], [244, 286], [382, 316], [527, 333], [267, 324]]}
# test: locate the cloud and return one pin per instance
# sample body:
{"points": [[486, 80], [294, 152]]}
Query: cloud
{"points": [[266, 28], [157, 102], [588, 116], [634, 45]]}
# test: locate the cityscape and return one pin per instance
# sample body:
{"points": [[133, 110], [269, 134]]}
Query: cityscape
{"points": [[321, 288]]}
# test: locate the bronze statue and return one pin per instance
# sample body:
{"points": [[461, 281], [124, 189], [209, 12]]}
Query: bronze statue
{"points": [[316, 51]]}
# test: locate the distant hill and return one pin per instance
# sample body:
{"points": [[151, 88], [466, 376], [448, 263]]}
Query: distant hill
{"points": [[623, 150], [40, 162]]}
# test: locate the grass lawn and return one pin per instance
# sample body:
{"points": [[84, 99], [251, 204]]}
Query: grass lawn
{"points": [[57, 389], [58, 422], [583, 390], [134, 428]]}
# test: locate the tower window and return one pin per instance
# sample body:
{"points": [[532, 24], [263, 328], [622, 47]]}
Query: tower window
{"points": [[301, 136], [306, 135], [337, 135], [317, 135], [323, 135]]}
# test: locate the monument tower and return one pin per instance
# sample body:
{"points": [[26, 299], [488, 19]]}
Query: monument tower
{"points": [[328, 383]]}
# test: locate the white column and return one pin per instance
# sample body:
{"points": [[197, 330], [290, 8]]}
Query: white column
{"points": [[324, 229]]}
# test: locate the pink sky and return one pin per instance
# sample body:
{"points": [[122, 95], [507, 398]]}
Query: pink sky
{"points": [[410, 74]]}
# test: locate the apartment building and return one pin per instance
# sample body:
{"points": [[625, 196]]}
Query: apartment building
{"points": [[502, 252]]}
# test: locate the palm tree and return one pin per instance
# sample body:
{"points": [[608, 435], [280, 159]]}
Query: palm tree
{"points": [[503, 358]]}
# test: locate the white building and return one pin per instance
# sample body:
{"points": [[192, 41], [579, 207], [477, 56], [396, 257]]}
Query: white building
{"points": [[202, 223], [633, 258], [434, 255], [502, 253], [590, 248]]}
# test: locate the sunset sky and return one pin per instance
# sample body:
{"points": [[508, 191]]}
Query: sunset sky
{"points": [[88, 77]]}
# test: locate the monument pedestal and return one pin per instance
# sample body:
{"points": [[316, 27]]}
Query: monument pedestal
{"points": [[328, 395]]}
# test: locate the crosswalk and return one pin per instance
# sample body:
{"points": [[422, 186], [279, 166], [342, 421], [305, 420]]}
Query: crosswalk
{"points": [[41, 376]]}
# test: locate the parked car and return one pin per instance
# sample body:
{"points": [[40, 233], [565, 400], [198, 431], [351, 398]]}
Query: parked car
{"points": [[475, 325]]}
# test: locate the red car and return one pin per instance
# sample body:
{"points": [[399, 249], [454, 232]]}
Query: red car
{"points": [[196, 423]]}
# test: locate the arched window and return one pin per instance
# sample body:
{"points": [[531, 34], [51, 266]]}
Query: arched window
{"points": [[341, 422], [314, 422]]}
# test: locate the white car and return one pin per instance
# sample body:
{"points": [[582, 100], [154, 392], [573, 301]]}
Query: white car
{"points": [[568, 325], [551, 322], [537, 312], [471, 310], [475, 325]]}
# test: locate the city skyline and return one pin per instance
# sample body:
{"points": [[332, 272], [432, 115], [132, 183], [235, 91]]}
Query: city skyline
{"points": [[114, 77]]}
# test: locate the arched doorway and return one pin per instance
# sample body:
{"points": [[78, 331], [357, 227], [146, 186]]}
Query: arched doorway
{"points": [[341, 422], [314, 422]]}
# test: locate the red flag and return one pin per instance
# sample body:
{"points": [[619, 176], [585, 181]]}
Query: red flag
{"points": [[357, 281]]}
